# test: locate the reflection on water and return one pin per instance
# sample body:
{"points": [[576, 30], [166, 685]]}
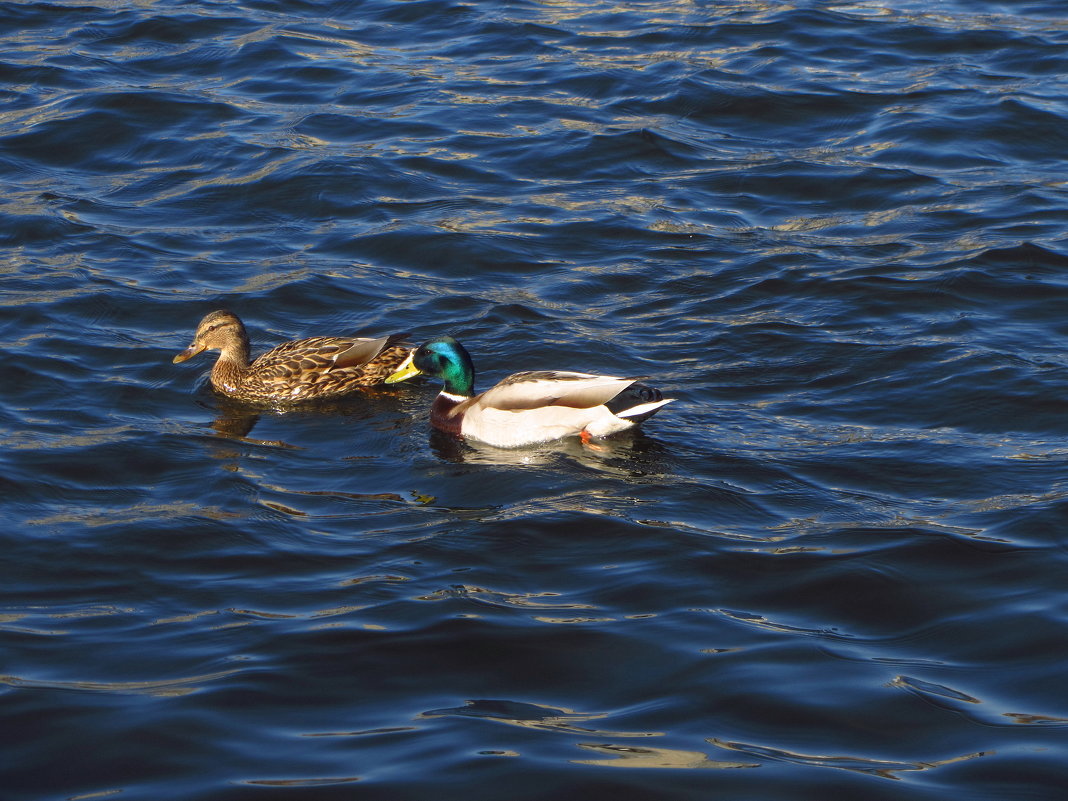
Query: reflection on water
{"points": [[627, 453], [534, 600], [236, 419], [885, 769], [985, 712], [310, 782], [535, 716], [236, 423], [627, 756], [838, 231], [165, 688]]}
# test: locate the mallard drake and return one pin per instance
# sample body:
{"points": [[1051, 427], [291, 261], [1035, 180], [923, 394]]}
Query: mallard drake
{"points": [[320, 367], [530, 407]]}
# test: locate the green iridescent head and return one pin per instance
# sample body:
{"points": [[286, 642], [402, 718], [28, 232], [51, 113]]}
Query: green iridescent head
{"points": [[443, 358]]}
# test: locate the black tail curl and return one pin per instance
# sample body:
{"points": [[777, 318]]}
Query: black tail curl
{"points": [[634, 395]]}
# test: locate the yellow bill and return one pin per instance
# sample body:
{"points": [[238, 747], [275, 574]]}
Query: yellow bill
{"points": [[188, 353], [405, 371]]}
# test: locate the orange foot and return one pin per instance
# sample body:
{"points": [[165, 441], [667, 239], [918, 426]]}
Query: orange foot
{"points": [[587, 440]]}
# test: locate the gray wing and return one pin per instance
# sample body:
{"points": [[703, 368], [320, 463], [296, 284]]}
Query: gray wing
{"points": [[360, 352], [537, 389]]}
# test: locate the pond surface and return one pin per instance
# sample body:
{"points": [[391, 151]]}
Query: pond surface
{"points": [[833, 568]]}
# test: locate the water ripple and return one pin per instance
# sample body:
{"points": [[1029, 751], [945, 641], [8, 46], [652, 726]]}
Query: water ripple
{"points": [[833, 231]]}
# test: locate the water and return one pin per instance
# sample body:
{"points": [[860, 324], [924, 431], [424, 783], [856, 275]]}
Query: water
{"points": [[833, 568]]}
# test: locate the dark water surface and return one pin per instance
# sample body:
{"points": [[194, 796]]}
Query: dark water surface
{"points": [[834, 568]]}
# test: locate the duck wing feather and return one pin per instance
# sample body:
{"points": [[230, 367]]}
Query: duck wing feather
{"points": [[540, 388]]}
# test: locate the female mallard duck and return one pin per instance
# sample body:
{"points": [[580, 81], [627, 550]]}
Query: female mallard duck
{"points": [[526, 408], [321, 367]]}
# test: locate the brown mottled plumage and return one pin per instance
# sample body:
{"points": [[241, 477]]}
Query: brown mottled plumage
{"points": [[320, 367]]}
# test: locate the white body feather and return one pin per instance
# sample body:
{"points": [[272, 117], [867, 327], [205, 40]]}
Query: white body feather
{"points": [[530, 407], [543, 412]]}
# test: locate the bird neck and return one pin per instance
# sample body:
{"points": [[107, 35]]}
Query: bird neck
{"points": [[459, 378], [231, 366]]}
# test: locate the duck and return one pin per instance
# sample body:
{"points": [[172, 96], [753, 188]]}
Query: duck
{"points": [[306, 369], [526, 408]]}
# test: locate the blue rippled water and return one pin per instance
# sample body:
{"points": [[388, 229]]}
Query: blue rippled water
{"points": [[834, 568]]}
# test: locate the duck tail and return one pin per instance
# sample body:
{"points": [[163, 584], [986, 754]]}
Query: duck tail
{"points": [[637, 402]]}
